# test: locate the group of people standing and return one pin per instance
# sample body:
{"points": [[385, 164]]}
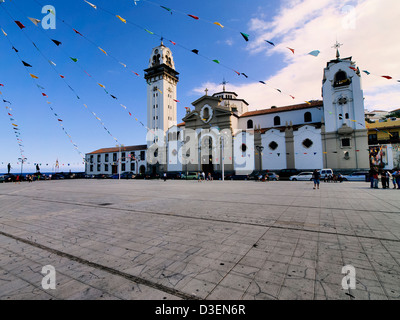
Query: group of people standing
{"points": [[385, 176]]}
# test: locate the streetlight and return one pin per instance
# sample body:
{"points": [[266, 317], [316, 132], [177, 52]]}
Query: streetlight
{"points": [[119, 161], [22, 163]]}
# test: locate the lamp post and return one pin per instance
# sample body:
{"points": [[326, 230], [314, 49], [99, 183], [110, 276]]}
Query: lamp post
{"points": [[223, 164], [119, 160], [22, 163], [260, 149]]}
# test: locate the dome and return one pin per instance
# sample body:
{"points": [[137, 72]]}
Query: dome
{"points": [[161, 55]]}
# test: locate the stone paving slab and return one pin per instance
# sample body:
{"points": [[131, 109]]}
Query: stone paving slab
{"points": [[232, 240]]}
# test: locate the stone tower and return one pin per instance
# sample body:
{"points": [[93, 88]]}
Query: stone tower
{"points": [[344, 138], [162, 80]]}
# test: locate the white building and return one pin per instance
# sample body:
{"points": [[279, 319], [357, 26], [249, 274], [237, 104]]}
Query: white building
{"points": [[318, 134]]}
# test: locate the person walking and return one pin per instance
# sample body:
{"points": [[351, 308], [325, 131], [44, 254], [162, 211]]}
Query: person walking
{"points": [[9, 168], [371, 177], [398, 179], [383, 178], [376, 179], [394, 173], [316, 177], [165, 176]]}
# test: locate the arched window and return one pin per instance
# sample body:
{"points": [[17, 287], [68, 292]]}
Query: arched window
{"points": [[307, 117], [277, 121], [341, 79], [347, 116], [250, 124]]}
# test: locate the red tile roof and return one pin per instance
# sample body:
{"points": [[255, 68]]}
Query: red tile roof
{"points": [[312, 104], [180, 124], [123, 149]]}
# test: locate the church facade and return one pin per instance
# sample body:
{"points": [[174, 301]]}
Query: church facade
{"points": [[220, 134]]}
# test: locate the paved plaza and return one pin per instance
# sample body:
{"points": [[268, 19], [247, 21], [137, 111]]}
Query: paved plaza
{"points": [[232, 240]]}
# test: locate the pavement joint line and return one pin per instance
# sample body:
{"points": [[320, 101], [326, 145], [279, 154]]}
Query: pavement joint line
{"points": [[225, 201], [220, 220], [127, 276]]}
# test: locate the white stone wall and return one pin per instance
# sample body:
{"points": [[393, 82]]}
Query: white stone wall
{"points": [[273, 159], [296, 116], [308, 158]]}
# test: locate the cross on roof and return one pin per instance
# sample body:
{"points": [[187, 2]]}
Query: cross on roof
{"points": [[336, 46]]}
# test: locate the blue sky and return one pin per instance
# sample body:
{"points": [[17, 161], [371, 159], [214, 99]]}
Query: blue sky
{"points": [[284, 22]]}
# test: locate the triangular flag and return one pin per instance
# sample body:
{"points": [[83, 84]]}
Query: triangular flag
{"points": [[26, 64], [238, 73], [291, 49], [245, 75], [168, 9], [74, 59], [5, 33], [15, 49], [245, 36], [51, 62], [33, 76], [387, 77], [148, 31], [34, 21], [262, 82], [315, 53], [218, 24], [62, 76], [365, 71], [56, 42], [103, 51], [271, 43], [90, 4], [122, 19], [174, 43], [216, 61], [44, 95], [19, 24], [195, 51], [77, 32], [101, 85], [194, 17]]}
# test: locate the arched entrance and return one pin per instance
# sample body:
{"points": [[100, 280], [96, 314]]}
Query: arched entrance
{"points": [[207, 157], [142, 169]]}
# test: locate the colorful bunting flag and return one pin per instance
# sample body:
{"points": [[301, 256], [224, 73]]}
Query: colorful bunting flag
{"points": [[195, 51], [74, 59], [315, 53], [122, 19], [148, 31], [26, 64], [387, 77], [91, 4], [56, 42], [271, 43], [168, 9], [174, 43], [5, 33], [194, 17], [245, 36], [19, 24], [33, 76], [216, 61], [34, 21], [77, 32], [291, 49], [103, 51], [365, 71], [218, 24]]}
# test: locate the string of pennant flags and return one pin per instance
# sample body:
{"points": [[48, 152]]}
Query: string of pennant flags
{"points": [[314, 53], [40, 89], [16, 128], [53, 66], [99, 83]]}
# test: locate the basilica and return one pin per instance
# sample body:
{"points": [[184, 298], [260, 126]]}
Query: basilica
{"points": [[220, 133]]}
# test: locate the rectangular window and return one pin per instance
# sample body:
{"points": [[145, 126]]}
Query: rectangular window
{"points": [[123, 167], [123, 156], [106, 167], [106, 157], [394, 136], [91, 168], [98, 168], [132, 156], [346, 142], [142, 155], [132, 166], [98, 157], [114, 157], [372, 137], [91, 159]]}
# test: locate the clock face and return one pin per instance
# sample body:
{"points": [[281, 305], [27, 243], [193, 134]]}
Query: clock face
{"points": [[206, 113]]}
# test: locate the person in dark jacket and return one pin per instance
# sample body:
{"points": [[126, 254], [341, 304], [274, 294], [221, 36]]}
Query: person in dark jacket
{"points": [[316, 177]]}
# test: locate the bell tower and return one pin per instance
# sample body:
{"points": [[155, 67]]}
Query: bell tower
{"points": [[162, 79], [345, 136]]}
